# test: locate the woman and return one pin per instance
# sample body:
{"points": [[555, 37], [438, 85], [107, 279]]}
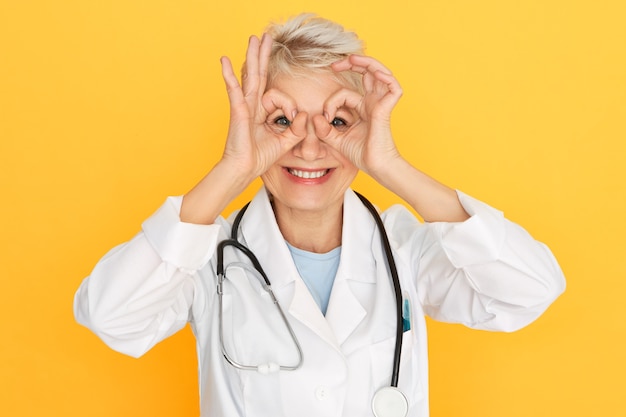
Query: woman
{"points": [[310, 112]]}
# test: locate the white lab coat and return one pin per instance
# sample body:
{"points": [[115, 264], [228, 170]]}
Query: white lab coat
{"points": [[486, 272]]}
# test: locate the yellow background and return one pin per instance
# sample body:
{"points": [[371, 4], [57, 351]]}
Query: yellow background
{"points": [[106, 107]]}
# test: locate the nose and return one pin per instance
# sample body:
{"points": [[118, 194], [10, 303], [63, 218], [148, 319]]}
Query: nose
{"points": [[311, 147]]}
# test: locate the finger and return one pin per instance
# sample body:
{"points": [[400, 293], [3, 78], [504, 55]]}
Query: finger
{"points": [[264, 57], [341, 65], [344, 99], [369, 82], [369, 63], [298, 126], [323, 129], [361, 64], [274, 101], [393, 92], [233, 89], [295, 134], [250, 78], [327, 134]]}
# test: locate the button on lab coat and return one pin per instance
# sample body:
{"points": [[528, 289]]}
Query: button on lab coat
{"points": [[486, 273]]}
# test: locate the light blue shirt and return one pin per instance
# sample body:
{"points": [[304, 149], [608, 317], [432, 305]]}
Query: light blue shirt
{"points": [[318, 272]]}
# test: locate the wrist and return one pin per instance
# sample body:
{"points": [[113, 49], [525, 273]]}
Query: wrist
{"points": [[231, 175], [387, 171], [206, 201]]}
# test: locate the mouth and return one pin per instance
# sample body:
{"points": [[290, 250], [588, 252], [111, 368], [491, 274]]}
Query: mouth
{"points": [[308, 174]]}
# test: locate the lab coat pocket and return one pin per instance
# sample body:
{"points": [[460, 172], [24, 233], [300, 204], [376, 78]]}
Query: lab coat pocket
{"points": [[262, 394], [382, 354]]}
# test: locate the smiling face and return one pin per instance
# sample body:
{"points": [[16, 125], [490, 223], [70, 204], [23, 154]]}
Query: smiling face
{"points": [[312, 177]]}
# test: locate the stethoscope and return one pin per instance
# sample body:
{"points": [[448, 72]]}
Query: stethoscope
{"points": [[387, 401]]}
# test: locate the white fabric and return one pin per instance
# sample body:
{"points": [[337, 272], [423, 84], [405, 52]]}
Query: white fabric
{"points": [[486, 272]]}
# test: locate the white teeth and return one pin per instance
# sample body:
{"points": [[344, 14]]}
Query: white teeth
{"points": [[307, 174]]}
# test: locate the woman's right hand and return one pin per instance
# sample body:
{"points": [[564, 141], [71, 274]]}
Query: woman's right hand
{"points": [[264, 125]]}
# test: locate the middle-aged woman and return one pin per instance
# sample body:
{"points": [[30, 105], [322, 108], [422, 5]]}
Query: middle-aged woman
{"points": [[310, 112]]}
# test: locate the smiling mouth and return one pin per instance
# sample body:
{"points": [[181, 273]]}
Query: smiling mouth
{"points": [[308, 174]]}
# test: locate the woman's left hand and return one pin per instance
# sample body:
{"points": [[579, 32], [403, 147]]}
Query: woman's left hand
{"points": [[367, 141]]}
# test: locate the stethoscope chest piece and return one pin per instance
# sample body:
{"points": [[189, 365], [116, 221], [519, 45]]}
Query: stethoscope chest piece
{"points": [[390, 402]]}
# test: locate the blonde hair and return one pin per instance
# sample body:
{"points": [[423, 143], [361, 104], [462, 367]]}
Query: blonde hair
{"points": [[307, 43]]}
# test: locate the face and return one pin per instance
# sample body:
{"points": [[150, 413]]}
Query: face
{"points": [[312, 176]]}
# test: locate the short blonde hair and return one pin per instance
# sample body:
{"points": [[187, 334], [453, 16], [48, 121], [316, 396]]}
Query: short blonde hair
{"points": [[308, 43]]}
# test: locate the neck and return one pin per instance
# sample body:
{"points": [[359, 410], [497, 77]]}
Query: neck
{"points": [[311, 231]]}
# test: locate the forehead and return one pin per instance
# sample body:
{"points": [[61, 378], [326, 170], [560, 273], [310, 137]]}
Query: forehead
{"points": [[346, 79], [309, 89]]}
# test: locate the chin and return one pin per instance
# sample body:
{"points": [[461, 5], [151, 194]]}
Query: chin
{"points": [[312, 199]]}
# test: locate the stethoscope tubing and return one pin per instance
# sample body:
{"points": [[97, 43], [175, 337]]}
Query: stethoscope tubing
{"points": [[266, 285], [393, 271], [264, 368]]}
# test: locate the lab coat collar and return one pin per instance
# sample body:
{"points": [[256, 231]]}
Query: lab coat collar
{"points": [[357, 268], [359, 228], [261, 234]]}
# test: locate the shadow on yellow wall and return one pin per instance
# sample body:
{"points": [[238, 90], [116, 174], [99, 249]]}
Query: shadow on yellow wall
{"points": [[108, 107]]}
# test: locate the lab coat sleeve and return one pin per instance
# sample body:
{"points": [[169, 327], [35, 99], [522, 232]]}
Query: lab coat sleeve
{"points": [[141, 291], [486, 272]]}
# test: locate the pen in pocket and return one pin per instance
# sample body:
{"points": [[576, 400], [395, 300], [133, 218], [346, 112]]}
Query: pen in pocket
{"points": [[406, 314]]}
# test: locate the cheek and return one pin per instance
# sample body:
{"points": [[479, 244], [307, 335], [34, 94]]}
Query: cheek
{"points": [[271, 177], [351, 171], [351, 174], [272, 172], [347, 165], [348, 172]]}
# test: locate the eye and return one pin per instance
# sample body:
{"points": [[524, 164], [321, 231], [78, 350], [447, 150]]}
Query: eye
{"points": [[282, 121], [339, 123]]}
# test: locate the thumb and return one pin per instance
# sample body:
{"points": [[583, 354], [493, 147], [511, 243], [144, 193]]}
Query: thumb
{"points": [[295, 133], [323, 129]]}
